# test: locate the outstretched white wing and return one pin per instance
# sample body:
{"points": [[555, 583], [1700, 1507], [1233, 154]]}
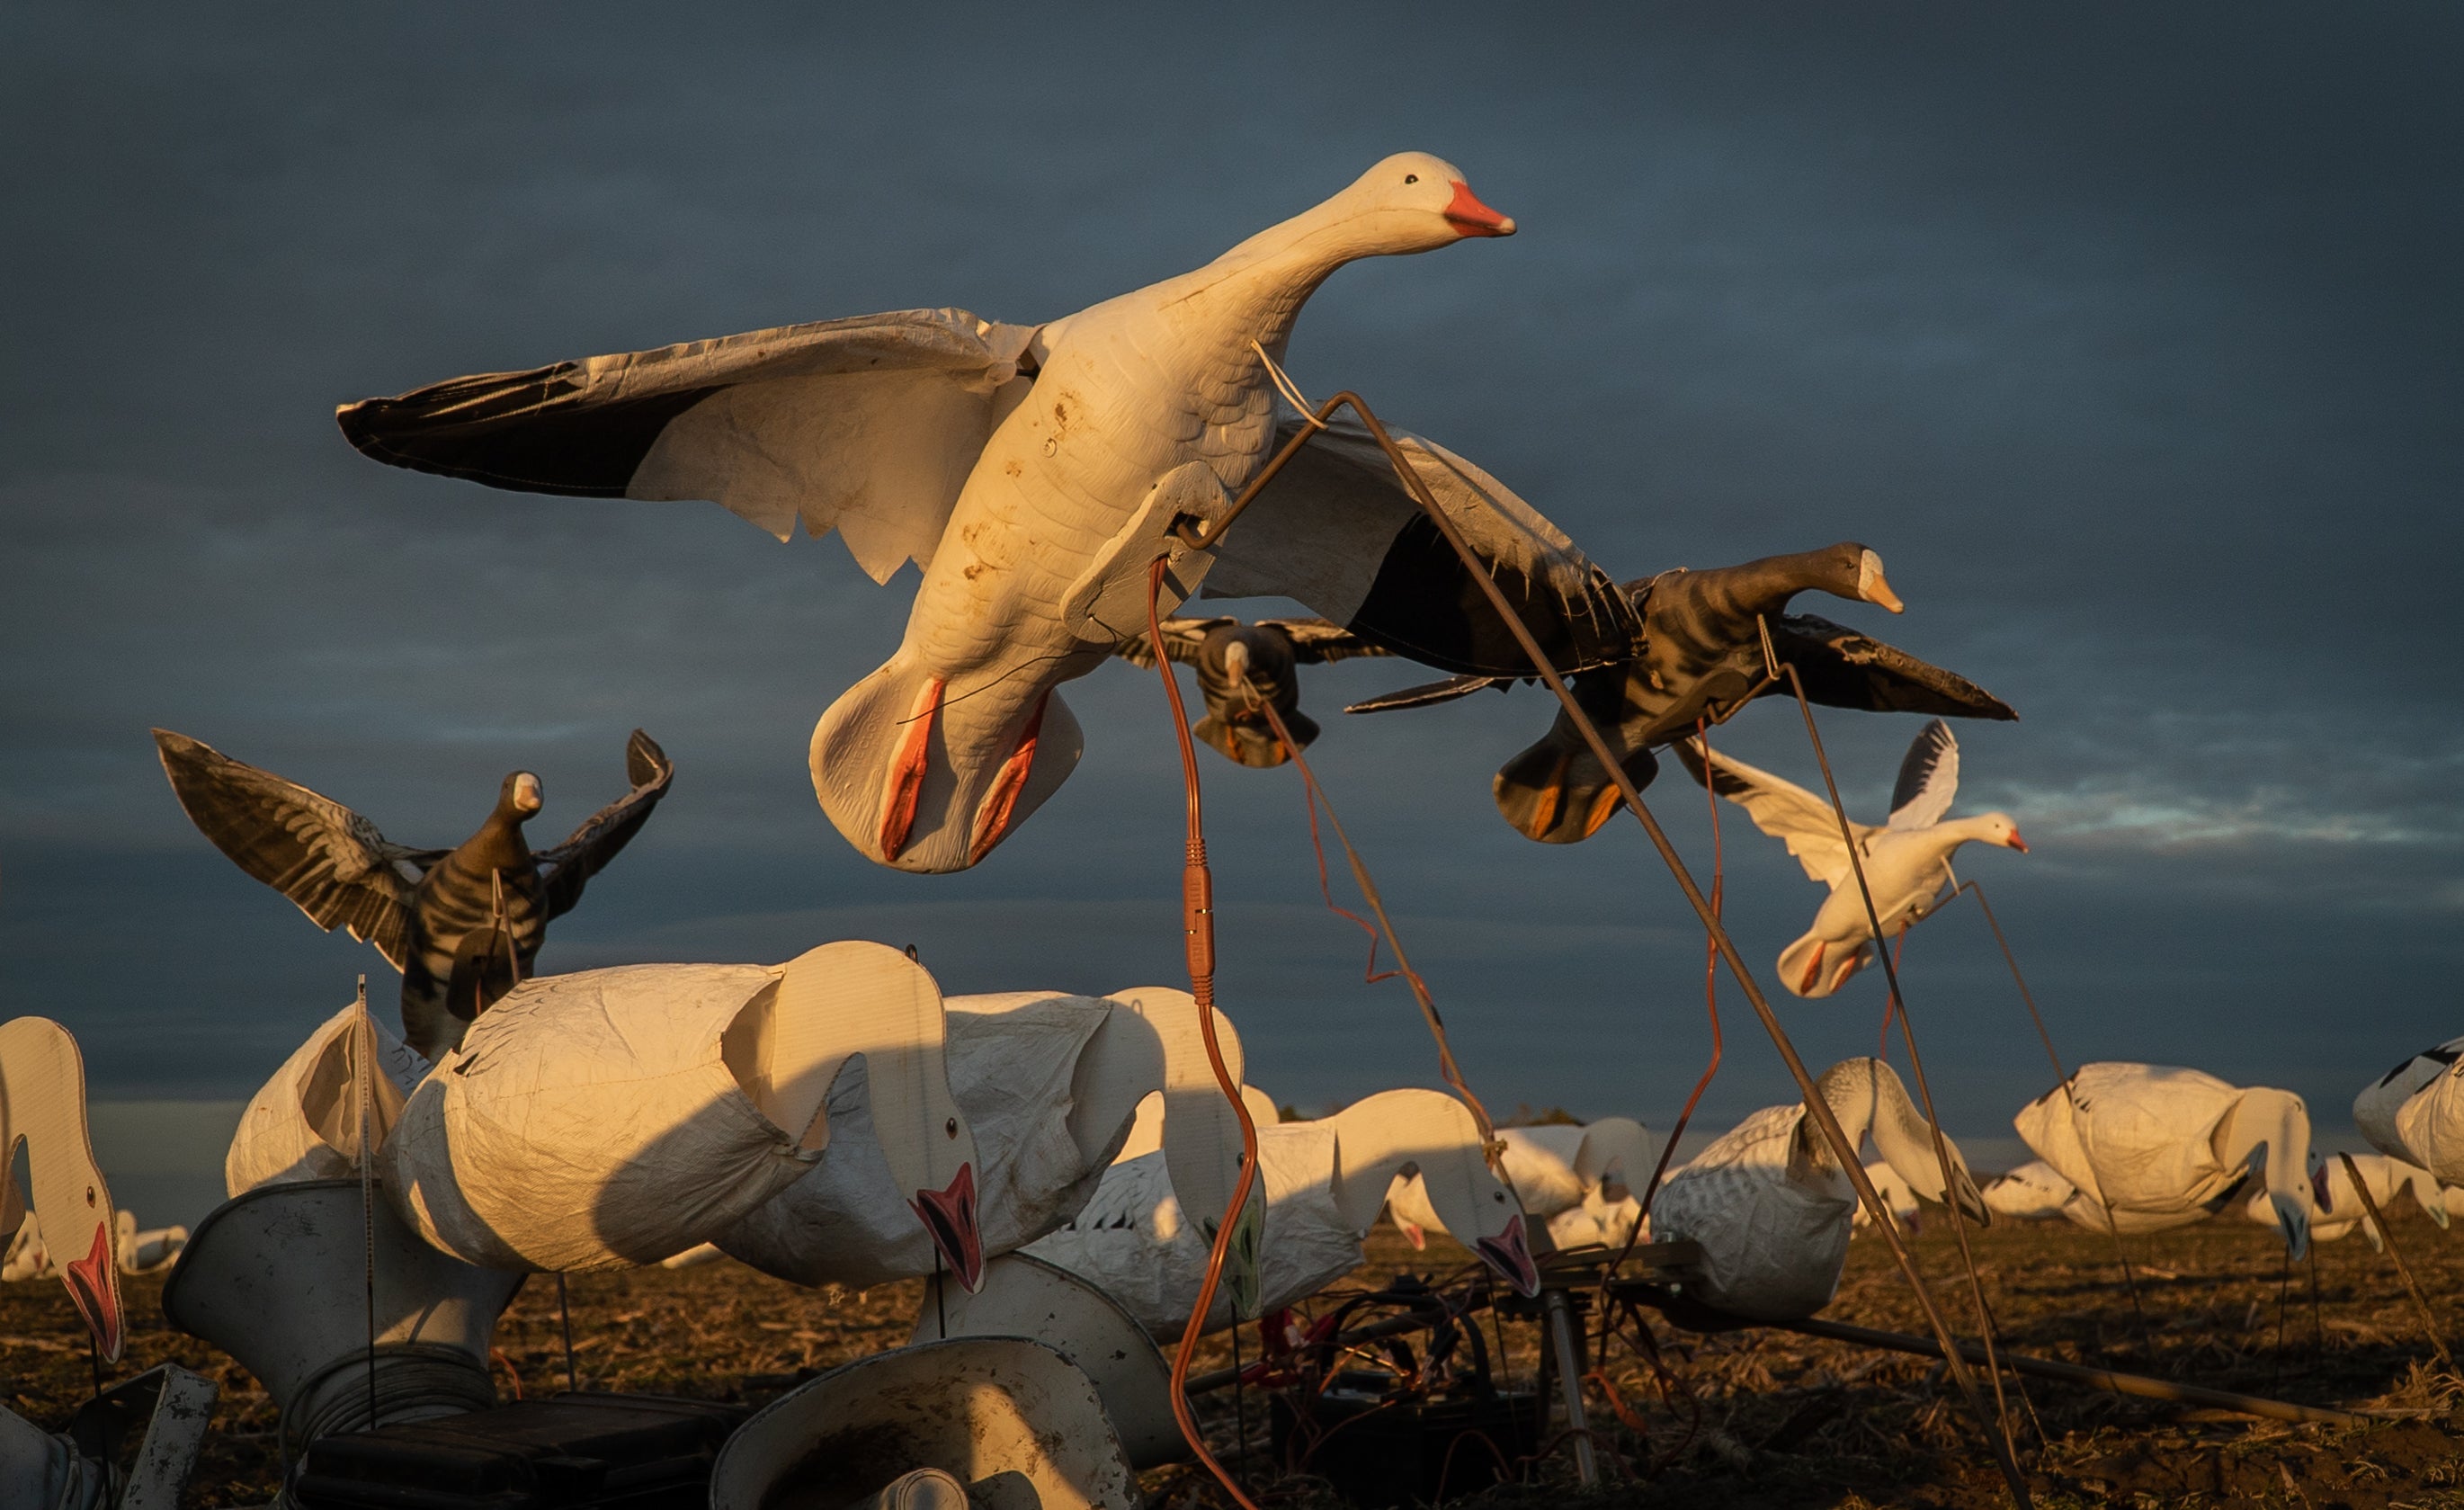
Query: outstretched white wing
{"points": [[1928, 778], [1780, 808]]}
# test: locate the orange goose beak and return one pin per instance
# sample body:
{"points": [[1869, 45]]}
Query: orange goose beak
{"points": [[2018, 843], [950, 1217], [1472, 218]]}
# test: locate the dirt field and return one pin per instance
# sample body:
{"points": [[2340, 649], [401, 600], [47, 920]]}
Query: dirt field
{"points": [[1753, 1418]]}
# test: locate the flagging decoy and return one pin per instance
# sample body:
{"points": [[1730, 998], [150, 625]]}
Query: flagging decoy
{"points": [[463, 923], [1242, 664]]}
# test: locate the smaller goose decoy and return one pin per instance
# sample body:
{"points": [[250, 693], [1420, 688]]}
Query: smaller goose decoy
{"points": [[2034, 1191], [2167, 1147], [1239, 664], [2337, 1210], [1896, 1194], [1700, 652], [613, 1118], [2415, 1112], [1907, 860], [1770, 1207], [462, 925], [1571, 1177], [1326, 1182]]}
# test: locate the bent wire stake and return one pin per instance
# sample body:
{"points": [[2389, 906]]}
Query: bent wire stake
{"points": [[1907, 1027], [2429, 1323], [1819, 1109]]}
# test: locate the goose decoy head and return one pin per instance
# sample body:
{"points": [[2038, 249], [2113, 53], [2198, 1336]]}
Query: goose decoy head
{"points": [[2000, 829], [1871, 586], [1414, 201], [521, 798], [1240, 667]]}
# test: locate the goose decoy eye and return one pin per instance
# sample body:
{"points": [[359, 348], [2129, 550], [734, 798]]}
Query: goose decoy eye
{"points": [[89, 1195], [1410, 178], [950, 1126]]}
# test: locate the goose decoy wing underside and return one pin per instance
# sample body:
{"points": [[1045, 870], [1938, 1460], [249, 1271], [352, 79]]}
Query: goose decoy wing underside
{"points": [[1337, 530], [1181, 637], [1843, 669], [568, 866], [870, 425], [1428, 694], [1316, 642], [329, 861], [1928, 778], [1779, 807]]}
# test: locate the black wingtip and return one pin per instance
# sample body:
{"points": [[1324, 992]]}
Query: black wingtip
{"points": [[644, 762]]}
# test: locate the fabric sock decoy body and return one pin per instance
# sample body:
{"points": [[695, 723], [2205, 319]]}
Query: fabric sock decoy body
{"points": [[1241, 665], [1326, 1182], [1050, 1085], [613, 1118], [2155, 1145], [1034, 472], [1572, 1178], [460, 923], [1907, 860], [2415, 1111], [1771, 1208], [1701, 653]]}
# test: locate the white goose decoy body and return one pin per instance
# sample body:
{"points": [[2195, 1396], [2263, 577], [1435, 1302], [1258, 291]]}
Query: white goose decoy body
{"points": [[611, 1118], [1035, 473], [1324, 1182], [1907, 860], [2415, 1112], [1771, 1208], [2165, 1147], [1571, 1177], [1049, 1085], [2034, 1191]]}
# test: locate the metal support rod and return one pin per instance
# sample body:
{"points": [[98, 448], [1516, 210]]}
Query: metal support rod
{"points": [[2109, 1380], [2428, 1324], [1815, 1107], [1570, 1382]]}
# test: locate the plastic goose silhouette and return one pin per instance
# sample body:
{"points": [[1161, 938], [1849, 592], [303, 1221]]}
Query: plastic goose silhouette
{"points": [[1907, 860], [1034, 474], [460, 923], [42, 1106]]}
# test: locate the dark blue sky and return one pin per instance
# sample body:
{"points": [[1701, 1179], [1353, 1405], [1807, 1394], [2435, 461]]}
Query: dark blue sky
{"points": [[2130, 336]]}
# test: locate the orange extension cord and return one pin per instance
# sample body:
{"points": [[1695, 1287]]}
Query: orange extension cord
{"points": [[1197, 922]]}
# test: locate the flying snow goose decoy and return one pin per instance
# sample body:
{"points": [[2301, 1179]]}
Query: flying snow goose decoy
{"points": [[1326, 1182], [1907, 860], [1241, 665], [42, 1104], [611, 1118], [2337, 1210], [1035, 473], [462, 925], [1050, 1086], [1701, 653], [2415, 1111], [2165, 1147], [1771, 1208], [1571, 1177]]}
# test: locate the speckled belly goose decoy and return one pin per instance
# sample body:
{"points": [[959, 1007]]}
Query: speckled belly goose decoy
{"points": [[1241, 665], [1036, 473], [460, 923], [1701, 654]]}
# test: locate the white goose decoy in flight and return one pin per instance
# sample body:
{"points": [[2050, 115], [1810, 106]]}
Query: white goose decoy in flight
{"points": [[1906, 859], [611, 1118], [2415, 1111], [1035, 472], [1770, 1207], [2166, 1147], [1326, 1182], [1050, 1086], [1571, 1177]]}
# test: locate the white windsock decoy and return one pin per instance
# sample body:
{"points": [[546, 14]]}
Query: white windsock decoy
{"points": [[1035, 472], [1906, 859], [1896, 1194], [1325, 1181], [1770, 1206], [613, 1118], [1049, 1085], [302, 1122], [2415, 1112], [2034, 1191], [42, 1104], [2336, 1210], [2166, 1147], [1562, 1173]]}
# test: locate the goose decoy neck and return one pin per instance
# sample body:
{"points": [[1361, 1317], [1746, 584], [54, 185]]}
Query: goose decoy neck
{"points": [[1734, 595]]}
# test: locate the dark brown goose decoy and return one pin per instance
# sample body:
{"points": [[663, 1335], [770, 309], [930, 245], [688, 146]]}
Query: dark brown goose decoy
{"points": [[462, 925], [1702, 658], [1238, 664]]}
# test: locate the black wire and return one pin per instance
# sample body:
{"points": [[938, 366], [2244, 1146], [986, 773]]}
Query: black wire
{"points": [[564, 1308]]}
